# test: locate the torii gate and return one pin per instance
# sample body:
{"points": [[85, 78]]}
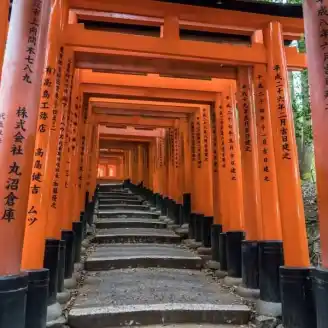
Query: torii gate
{"points": [[266, 55]]}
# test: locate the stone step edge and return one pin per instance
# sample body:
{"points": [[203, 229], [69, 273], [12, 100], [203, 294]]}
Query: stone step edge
{"points": [[146, 314], [147, 261]]}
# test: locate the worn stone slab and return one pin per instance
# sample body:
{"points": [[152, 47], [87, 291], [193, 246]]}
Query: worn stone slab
{"points": [[136, 235], [154, 296], [121, 197], [118, 256], [109, 201], [129, 223], [127, 213], [138, 207]]}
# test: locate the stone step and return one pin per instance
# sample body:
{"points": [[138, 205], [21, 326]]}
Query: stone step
{"points": [[136, 235], [120, 201], [120, 197], [129, 223], [121, 256], [117, 206], [115, 192], [127, 214], [153, 296]]}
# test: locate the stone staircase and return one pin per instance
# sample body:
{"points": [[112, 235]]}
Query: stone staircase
{"points": [[138, 273]]}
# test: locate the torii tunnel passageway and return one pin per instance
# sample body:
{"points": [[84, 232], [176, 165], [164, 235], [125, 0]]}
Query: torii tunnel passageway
{"points": [[149, 165]]}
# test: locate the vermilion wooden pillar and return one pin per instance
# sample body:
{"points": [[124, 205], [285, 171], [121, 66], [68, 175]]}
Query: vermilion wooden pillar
{"points": [[271, 224], [38, 199], [249, 155], [186, 156], [22, 68], [289, 183], [4, 10], [70, 166], [195, 158], [207, 174], [316, 20], [55, 221], [235, 220], [221, 190]]}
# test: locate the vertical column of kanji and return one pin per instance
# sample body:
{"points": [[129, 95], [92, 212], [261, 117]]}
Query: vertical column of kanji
{"points": [[168, 141], [139, 163], [95, 161], [55, 221], [234, 234], [162, 179], [134, 162], [146, 165], [4, 10], [220, 185], [71, 165], [91, 155], [176, 167], [206, 148], [81, 156], [194, 204], [215, 164], [250, 176], [88, 129], [249, 155], [22, 67], [154, 164], [167, 161], [73, 211], [207, 176], [270, 244], [37, 210], [223, 177], [186, 169], [198, 179], [295, 244]]}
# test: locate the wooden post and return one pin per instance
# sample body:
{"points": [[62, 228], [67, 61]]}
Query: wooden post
{"points": [[221, 190], [249, 155], [206, 165], [38, 199], [22, 68], [55, 221], [289, 184], [271, 225], [233, 162]]}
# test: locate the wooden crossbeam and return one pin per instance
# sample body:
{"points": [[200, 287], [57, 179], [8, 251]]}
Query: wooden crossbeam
{"points": [[155, 9]]}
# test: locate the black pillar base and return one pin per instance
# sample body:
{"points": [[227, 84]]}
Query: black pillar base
{"points": [[51, 262], [37, 296], [250, 264], [271, 258], [84, 225], [215, 233], [191, 230], [164, 209], [186, 207], [320, 287], [180, 220], [223, 251], [13, 294], [69, 237], [198, 227], [61, 266], [234, 239], [297, 298], [158, 202], [206, 230], [78, 231]]}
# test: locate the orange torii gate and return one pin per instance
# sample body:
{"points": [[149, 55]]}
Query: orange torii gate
{"points": [[256, 177]]}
